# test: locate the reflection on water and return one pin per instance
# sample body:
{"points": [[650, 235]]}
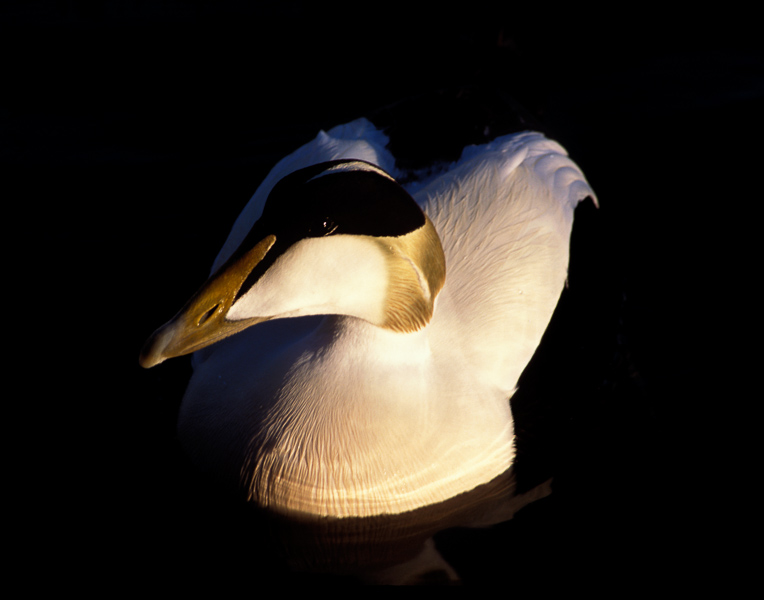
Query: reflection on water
{"points": [[395, 549]]}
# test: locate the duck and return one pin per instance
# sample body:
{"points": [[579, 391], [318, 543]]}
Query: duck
{"points": [[364, 327]]}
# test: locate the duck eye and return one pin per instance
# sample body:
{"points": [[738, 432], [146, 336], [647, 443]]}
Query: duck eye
{"points": [[323, 226]]}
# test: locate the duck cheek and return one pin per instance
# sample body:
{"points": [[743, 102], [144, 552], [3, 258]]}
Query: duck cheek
{"points": [[341, 275]]}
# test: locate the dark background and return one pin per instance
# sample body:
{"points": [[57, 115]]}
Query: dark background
{"points": [[132, 134]]}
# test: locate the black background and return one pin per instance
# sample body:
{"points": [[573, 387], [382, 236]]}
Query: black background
{"points": [[134, 132]]}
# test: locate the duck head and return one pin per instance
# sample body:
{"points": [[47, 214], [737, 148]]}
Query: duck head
{"points": [[336, 238]]}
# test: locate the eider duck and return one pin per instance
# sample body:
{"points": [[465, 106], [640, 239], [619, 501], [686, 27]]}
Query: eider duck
{"points": [[363, 331]]}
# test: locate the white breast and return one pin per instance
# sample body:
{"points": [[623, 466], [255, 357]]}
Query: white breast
{"points": [[352, 419]]}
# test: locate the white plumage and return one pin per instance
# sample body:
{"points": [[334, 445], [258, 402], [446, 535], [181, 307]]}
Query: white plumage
{"points": [[330, 414]]}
